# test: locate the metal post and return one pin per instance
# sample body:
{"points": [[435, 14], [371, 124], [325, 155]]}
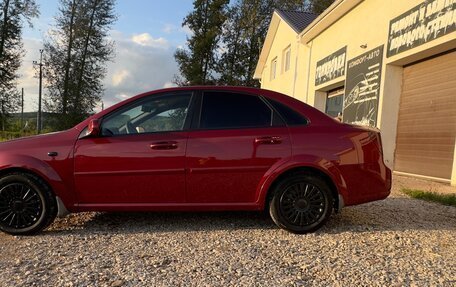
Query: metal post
{"points": [[22, 110], [3, 116], [38, 116]]}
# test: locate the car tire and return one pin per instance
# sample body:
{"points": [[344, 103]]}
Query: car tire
{"points": [[301, 203], [27, 204]]}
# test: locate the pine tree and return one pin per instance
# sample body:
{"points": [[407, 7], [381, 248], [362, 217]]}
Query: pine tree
{"points": [[318, 6], [243, 38], [13, 14], [75, 57], [197, 63]]}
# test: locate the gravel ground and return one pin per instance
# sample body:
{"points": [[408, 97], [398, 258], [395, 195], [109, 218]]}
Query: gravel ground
{"points": [[395, 242]]}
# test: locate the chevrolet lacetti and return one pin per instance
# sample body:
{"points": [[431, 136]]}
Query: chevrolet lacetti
{"points": [[195, 149]]}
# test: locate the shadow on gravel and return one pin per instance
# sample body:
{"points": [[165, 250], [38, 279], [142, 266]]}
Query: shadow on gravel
{"points": [[392, 214], [138, 222]]}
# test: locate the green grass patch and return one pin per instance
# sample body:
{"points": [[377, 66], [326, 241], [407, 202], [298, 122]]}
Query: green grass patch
{"points": [[446, 199]]}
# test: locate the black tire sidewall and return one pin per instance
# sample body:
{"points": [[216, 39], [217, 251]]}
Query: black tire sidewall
{"points": [[46, 202], [281, 187]]}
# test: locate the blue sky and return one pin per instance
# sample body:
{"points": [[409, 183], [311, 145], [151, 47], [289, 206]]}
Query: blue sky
{"points": [[146, 34]]}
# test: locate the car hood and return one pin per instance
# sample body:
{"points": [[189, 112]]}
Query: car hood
{"points": [[37, 140]]}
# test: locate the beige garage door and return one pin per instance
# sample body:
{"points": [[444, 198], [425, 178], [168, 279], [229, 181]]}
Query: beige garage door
{"points": [[427, 118]]}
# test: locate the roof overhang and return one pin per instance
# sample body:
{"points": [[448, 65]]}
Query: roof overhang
{"points": [[272, 30], [331, 15]]}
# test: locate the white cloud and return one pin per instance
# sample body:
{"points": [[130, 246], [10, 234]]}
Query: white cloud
{"points": [[169, 28], [119, 77], [27, 73], [122, 97], [169, 85], [145, 39], [136, 68], [139, 68]]}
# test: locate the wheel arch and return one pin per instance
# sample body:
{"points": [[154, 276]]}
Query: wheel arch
{"points": [[328, 172], [42, 170]]}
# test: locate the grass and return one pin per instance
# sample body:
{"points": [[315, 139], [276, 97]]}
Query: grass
{"points": [[446, 199]]}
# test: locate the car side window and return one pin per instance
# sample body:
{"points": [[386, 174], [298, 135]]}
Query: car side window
{"points": [[221, 110], [155, 114], [291, 117]]}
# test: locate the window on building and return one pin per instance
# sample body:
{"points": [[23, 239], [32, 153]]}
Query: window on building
{"points": [[286, 59], [273, 68], [221, 110], [335, 103]]}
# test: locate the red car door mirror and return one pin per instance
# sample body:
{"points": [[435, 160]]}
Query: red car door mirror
{"points": [[93, 129]]}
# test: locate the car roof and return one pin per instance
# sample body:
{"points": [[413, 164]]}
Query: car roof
{"points": [[314, 115]]}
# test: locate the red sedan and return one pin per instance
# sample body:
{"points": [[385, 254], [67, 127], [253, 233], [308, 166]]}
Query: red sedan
{"points": [[195, 149]]}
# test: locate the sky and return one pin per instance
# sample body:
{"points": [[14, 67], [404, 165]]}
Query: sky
{"points": [[146, 35]]}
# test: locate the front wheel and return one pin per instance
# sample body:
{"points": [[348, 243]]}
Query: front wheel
{"points": [[301, 203], [27, 204]]}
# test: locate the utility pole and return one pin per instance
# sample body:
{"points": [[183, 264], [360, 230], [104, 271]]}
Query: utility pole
{"points": [[22, 110], [3, 115], [38, 116]]}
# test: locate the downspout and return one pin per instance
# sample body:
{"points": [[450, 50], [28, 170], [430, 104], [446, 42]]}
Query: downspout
{"points": [[308, 72], [296, 67]]}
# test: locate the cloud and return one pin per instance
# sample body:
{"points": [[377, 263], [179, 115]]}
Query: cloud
{"points": [[141, 63], [122, 97], [169, 28], [119, 77], [138, 68], [28, 72], [145, 39], [169, 85]]}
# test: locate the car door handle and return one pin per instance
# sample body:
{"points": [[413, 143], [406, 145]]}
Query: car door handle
{"points": [[268, 140], [164, 145]]}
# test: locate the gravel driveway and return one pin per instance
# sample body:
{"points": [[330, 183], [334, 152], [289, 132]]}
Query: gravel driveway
{"points": [[395, 242]]}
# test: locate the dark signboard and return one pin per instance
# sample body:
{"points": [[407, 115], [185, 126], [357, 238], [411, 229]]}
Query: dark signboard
{"points": [[428, 21], [331, 67], [362, 88]]}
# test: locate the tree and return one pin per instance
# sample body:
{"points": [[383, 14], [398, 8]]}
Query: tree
{"points": [[244, 35], [75, 56], [197, 63], [231, 58], [13, 14], [318, 6]]}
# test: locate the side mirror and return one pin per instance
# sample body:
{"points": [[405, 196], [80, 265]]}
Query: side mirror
{"points": [[93, 129]]}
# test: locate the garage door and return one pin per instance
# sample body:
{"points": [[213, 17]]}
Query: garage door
{"points": [[427, 118]]}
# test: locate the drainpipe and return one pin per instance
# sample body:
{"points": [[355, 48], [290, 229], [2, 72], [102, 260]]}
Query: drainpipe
{"points": [[310, 45], [296, 67]]}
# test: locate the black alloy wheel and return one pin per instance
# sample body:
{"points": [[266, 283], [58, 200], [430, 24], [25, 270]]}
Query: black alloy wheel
{"points": [[27, 204], [20, 205], [301, 203]]}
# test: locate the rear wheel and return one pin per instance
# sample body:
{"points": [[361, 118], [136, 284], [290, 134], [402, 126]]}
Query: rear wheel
{"points": [[301, 203], [27, 204]]}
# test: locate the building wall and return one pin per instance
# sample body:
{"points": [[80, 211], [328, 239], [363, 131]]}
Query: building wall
{"points": [[285, 37], [365, 27]]}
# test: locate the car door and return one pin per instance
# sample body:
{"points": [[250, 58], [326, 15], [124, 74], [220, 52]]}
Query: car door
{"points": [[139, 156], [237, 138]]}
